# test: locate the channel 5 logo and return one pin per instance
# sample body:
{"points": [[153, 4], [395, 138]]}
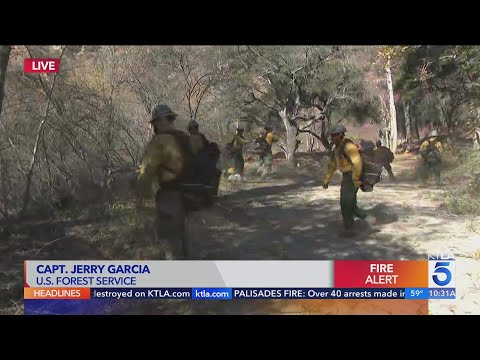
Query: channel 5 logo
{"points": [[441, 270]]}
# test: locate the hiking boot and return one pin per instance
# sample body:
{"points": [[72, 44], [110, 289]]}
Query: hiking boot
{"points": [[366, 188]]}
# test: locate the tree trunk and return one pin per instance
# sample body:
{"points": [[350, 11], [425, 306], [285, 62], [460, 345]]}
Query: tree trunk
{"points": [[324, 136], [310, 143], [415, 127], [450, 120], [316, 142], [33, 161], [408, 124], [476, 139], [393, 113], [290, 138], [387, 139], [4, 57]]}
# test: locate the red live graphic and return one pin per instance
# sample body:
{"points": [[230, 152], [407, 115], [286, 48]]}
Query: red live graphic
{"points": [[41, 65]]}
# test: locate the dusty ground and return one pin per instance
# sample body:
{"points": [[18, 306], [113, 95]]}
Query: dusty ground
{"points": [[286, 217]]}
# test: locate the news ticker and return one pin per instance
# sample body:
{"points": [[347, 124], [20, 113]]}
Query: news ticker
{"points": [[238, 293], [407, 279]]}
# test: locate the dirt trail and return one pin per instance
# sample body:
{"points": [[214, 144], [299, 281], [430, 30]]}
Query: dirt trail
{"points": [[296, 219], [300, 220]]}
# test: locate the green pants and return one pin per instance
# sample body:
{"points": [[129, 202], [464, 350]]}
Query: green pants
{"points": [[348, 201], [238, 162], [170, 226], [432, 168], [265, 160]]}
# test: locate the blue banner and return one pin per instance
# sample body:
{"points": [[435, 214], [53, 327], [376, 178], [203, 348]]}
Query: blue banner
{"points": [[442, 294], [272, 293], [211, 294], [416, 293], [317, 293], [141, 293], [248, 293]]}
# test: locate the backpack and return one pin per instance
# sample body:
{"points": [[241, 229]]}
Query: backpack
{"points": [[371, 170], [200, 177], [431, 154], [383, 155], [390, 155], [261, 145]]}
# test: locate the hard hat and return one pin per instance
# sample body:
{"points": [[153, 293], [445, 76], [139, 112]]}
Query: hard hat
{"points": [[161, 110], [337, 129]]}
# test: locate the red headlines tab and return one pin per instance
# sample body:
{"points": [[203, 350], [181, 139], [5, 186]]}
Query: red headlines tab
{"points": [[41, 66]]}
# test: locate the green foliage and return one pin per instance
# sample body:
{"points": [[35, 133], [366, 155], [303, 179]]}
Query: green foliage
{"points": [[439, 81], [363, 112], [464, 195], [459, 202], [122, 211]]}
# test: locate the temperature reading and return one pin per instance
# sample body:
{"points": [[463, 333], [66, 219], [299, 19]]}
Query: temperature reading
{"points": [[416, 292]]}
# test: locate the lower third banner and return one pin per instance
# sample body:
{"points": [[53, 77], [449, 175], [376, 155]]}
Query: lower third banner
{"points": [[212, 293]]}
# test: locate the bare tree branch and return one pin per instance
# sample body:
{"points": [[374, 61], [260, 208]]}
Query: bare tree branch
{"points": [[268, 61], [311, 121], [263, 102], [310, 132]]}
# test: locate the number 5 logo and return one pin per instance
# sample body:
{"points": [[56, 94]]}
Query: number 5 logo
{"points": [[442, 268]]}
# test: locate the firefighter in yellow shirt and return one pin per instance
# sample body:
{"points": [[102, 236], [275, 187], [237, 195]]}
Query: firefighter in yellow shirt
{"points": [[346, 158], [237, 151], [270, 137], [265, 155], [431, 151], [161, 171]]}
